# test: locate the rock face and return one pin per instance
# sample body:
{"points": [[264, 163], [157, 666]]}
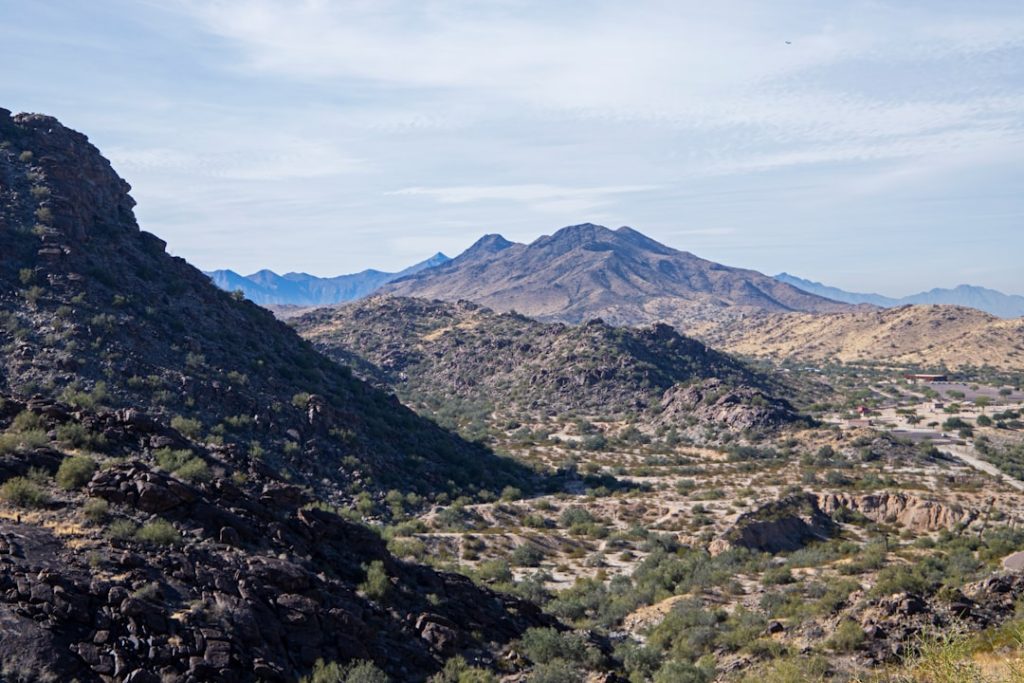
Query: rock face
{"points": [[738, 407], [779, 526], [906, 510], [588, 271], [248, 585], [435, 351], [895, 623]]}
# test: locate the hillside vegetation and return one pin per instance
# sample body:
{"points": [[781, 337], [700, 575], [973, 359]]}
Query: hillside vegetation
{"points": [[925, 336]]}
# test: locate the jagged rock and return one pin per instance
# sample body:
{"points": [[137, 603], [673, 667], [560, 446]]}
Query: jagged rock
{"points": [[779, 526], [907, 510], [738, 407]]}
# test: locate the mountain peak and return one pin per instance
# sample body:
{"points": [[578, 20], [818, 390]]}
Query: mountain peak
{"points": [[589, 271], [489, 244]]}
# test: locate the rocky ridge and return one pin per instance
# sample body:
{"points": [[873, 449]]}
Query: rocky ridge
{"points": [[588, 271], [433, 351], [93, 310]]}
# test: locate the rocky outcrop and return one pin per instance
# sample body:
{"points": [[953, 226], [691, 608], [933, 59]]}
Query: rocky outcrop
{"points": [[431, 351], [912, 512], [715, 402], [780, 526], [246, 585], [894, 624]]}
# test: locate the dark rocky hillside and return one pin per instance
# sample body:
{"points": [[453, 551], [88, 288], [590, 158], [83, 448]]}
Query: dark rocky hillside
{"points": [[435, 352], [140, 574], [170, 459], [588, 271], [93, 311]]}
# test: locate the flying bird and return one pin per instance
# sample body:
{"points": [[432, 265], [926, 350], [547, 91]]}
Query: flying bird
{"points": [[788, 43]]}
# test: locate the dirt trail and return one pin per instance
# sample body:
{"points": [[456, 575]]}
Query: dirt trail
{"points": [[966, 455]]}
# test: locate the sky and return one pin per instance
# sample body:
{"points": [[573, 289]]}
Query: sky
{"points": [[874, 146]]}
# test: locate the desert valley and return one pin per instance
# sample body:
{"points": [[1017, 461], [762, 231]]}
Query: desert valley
{"points": [[592, 457]]}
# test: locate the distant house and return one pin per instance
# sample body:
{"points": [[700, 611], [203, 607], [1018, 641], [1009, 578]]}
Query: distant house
{"points": [[925, 379], [940, 406]]}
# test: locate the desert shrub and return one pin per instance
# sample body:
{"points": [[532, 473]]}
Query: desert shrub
{"points": [[558, 671], [76, 435], [158, 532], [75, 471], [357, 672], [12, 441], [526, 555], [510, 493], [494, 571], [776, 576], [190, 427], [26, 421], [573, 516], [121, 529], [183, 464], [790, 670], [377, 584], [456, 670], [95, 510], [194, 469], [848, 637], [23, 492], [87, 400], [548, 646], [681, 672]]}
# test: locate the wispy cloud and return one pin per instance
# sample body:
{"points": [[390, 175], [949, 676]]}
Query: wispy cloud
{"points": [[326, 132], [542, 197]]}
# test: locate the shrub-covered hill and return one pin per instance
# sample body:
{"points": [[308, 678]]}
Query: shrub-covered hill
{"points": [[94, 312], [434, 352]]}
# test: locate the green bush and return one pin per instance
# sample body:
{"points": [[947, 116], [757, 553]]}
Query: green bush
{"points": [[377, 584], [187, 426], [526, 555], [75, 472], [11, 442], [183, 464], [456, 670], [357, 672], [158, 532], [122, 529], [76, 435], [23, 492], [194, 469], [681, 672], [847, 638], [95, 510]]}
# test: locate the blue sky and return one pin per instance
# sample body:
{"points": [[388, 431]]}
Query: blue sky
{"points": [[881, 149]]}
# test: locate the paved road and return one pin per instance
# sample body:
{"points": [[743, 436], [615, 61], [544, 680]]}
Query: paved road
{"points": [[966, 454]]}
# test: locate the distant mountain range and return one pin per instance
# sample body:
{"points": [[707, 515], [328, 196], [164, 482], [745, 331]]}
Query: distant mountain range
{"points": [[988, 300], [589, 271], [301, 289]]}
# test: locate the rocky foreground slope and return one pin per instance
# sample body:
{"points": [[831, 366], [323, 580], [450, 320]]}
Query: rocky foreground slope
{"points": [[168, 456]]}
